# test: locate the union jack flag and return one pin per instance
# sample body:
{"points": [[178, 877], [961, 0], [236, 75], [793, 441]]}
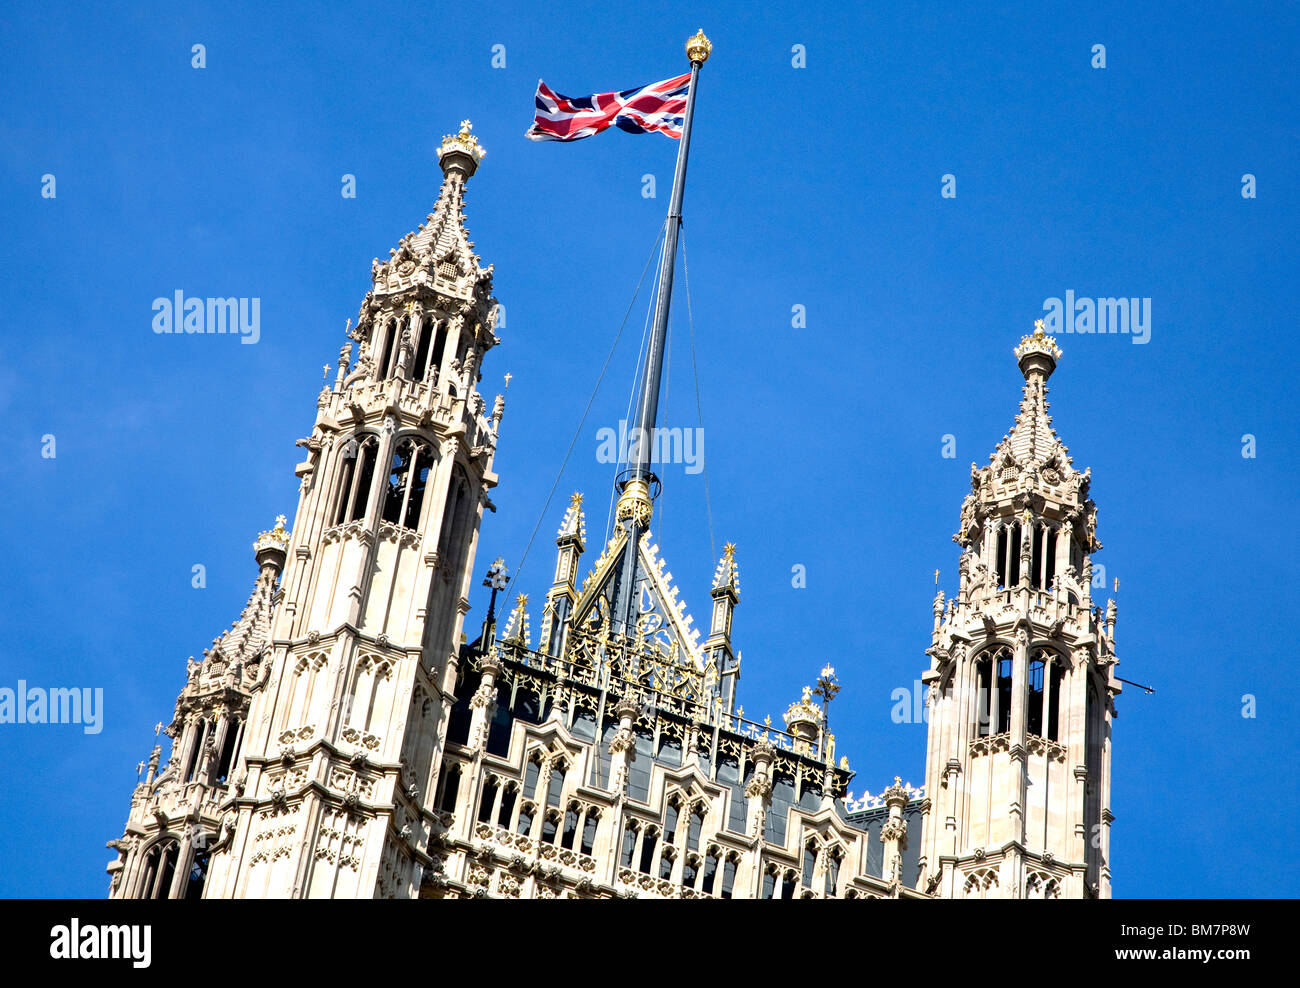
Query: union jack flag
{"points": [[660, 106]]}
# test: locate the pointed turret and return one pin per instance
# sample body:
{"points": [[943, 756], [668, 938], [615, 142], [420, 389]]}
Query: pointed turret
{"points": [[518, 630], [571, 542], [1021, 680], [176, 816], [726, 595], [377, 575], [430, 315]]}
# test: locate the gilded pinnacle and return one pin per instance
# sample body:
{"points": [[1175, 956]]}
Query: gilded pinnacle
{"points": [[276, 538], [464, 143], [699, 47], [1039, 342], [1037, 354]]}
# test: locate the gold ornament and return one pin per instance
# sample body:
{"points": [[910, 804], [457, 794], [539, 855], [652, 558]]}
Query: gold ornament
{"points": [[699, 47]]}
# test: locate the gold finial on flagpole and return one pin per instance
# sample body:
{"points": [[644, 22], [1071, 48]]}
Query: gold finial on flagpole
{"points": [[699, 47]]}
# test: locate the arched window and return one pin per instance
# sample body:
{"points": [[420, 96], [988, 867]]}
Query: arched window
{"points": [[408, 475], [449, 788], [648, 845], [696, 828], [229, 748], [550, 826], [809, 863], [371, 694], [729, 874], [1057, 674], [1009, 554], [435, 359], [420, 367], [454, 537], [508, 797], [556, 789], [710, 871], [666, 864], [525, 819], [671, 816], [429, 349], [788, 884], [1041, 886], [629, 845], [833, 859], [983, 701], [498, 739], [458, 723], [589, 831], [980, 884], [355, 479], [570, 826], [993, 695], [198, 875], [1037, 677], [199, 736], [1044, 694], [149, 874], [487, 799], [778, 815], [160, 870], [388, 361], [690, 871], [532, 773]]}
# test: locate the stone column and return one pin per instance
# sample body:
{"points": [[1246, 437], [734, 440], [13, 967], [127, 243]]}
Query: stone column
{"points": [[894, 833], [1018, 754], [622, 750], [483, 703]]}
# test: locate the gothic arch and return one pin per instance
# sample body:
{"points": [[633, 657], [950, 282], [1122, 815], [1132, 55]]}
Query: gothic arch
{"points": [[391, 345], [1040, 885], [302, 686], [980, 884], [371, 691], [991, 673], [453, 540], [158, 872], [409, 470], [356, 462], [1047, 668]]}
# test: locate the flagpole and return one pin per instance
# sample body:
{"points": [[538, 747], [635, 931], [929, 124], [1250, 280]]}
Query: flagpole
{"points": [[636, 499]]}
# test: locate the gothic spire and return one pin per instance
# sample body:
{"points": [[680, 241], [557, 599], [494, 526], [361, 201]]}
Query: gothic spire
{"points": [[1033, 441], [440, 255]]}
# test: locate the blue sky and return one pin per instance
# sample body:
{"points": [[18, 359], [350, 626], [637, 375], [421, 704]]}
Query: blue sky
{"points": [[815, 186]]}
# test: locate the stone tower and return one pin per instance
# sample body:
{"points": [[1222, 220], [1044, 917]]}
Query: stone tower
{"points": [[334, 793], [175, 816], [1022, 681]]}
